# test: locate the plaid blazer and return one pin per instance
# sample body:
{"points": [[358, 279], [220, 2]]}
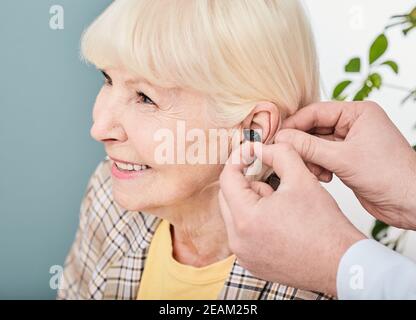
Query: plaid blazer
{"points": [[107, 258]]}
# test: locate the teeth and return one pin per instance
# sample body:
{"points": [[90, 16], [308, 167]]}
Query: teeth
{"points": [[122, 166], [130, 167]]}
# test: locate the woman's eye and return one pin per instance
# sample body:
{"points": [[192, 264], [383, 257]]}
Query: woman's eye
{"points": [[144, 99], [107, 80]]}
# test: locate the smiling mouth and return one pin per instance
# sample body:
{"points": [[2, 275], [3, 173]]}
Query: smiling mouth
{"points": [[129, 167]]}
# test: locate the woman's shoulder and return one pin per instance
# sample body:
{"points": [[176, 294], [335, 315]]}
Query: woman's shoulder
{"points": [[101, 175], [97, 193], [105, 230], [98, 206]]}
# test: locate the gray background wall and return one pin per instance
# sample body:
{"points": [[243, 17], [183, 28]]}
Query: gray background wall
{"points": [[46, 153]]}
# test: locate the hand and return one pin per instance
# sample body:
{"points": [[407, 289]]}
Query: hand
{"points": [[295, 235], [358, 142]]}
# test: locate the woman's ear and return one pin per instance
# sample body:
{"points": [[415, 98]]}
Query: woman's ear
{"points": [[265, 119]]}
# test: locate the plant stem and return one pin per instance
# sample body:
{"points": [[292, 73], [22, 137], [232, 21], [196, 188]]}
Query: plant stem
{"points": [[393, 86]]}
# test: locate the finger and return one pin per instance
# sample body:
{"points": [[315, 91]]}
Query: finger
{"points": [[322, 130], [235, 187], [284, 160], [328, 137], [326, 176], [314, 169], [261, 188], [322, 174], [335, 115], [312, 149]]}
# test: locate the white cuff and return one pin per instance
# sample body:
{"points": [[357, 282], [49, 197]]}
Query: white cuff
{"points": [[370, 270]]}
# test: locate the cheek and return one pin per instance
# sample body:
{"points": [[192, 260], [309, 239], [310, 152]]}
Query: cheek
{"points": [[180, 182], [140, 131], [167, 185], [186, 177]]}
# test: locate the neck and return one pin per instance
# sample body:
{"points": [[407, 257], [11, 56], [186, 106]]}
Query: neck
{"points": [[199, 237]]}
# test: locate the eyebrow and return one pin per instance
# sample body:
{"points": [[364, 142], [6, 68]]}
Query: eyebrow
{"points": [[152, 91], [129, 81]]}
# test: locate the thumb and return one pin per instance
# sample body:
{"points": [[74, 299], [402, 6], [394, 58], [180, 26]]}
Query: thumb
{"points": [[284, 160], [312, 149], [236, 188]]}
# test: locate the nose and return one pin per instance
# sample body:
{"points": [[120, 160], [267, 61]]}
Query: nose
{"points": [[106, 127]]}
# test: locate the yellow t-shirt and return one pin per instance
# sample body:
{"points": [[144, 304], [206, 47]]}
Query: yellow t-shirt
{"points": [[166, 279]]}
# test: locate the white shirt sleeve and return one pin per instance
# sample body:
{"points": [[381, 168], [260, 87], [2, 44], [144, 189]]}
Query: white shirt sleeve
{"points": [[370, 270]]}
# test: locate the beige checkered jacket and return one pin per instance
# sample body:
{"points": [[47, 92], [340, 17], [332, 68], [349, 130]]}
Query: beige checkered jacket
{"points": [[107, 258]]}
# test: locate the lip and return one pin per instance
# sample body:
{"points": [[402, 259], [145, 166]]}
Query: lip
{"points": [[126, 175], [123, 161]]}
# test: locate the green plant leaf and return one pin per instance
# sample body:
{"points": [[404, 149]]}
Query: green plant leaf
{"points": [[339, 89], [393, 65], [379, 230], [354, 65], [363, 93], [378, 48], [407, 21], [414, 147], [376, 80], [412, 14]]}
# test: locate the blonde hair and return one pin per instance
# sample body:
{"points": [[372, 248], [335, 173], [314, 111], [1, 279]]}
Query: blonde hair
{"points": [[236, 52]]}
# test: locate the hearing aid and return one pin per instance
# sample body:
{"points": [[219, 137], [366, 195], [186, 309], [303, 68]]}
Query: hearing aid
{"points": [[255, 167], [251, 135]]}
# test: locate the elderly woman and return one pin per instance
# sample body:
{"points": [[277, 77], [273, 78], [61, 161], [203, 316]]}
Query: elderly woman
{"points": [[151, 228]]}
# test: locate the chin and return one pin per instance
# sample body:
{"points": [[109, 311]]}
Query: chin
{"points": [[140, 201], [150, 199], [131, 202]]}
